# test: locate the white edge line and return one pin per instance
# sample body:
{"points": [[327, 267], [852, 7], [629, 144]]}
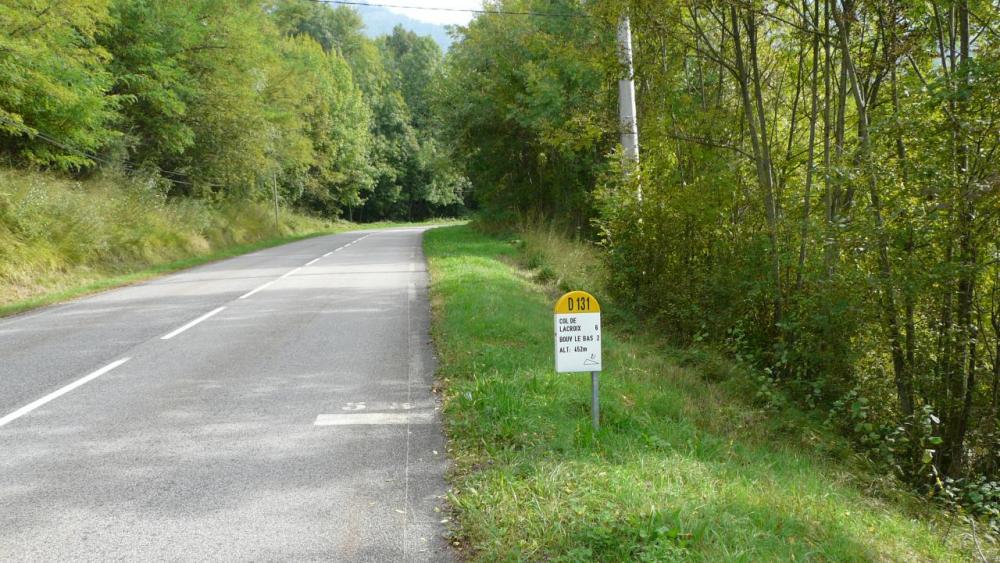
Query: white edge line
{"points": [[311, 262], [191, 324], [327, 254], [59, 393], [374, 418], [291, 273], [252, 291]]}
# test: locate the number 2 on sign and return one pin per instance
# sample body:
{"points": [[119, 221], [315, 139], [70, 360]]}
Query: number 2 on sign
{"points": [[578, 304]]}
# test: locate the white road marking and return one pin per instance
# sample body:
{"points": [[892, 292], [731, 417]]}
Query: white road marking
{"points": [[191, 324], [411, 292], [377, 406], [339, 249], [357, 310], [56, 394], [309, 263], [374, 418], [252, 291]]}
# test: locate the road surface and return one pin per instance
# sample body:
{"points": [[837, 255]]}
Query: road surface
{"points": [[276, 406]]}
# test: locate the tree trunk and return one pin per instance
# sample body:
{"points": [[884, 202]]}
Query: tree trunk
{"points": [[908, 293], [840, 130], [829, 253], [963, 383], [995, 322], [903, 377], [758, 140], [814, 102]]}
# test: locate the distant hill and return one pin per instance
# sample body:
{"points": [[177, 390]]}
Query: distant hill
{"points": [[380, 21]]}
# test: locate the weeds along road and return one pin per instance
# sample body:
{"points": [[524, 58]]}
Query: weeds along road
{"points": [[274, 406]]}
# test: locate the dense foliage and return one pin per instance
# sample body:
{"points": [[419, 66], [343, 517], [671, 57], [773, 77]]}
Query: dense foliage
{"points": [[226, 99], [526, 101], [819, 191]]}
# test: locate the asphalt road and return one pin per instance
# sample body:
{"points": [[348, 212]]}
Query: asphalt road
{"points": [[271, 407]]}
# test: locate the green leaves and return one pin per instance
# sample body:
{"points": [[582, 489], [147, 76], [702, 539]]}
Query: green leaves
{"points": [[224, 98], [385, 154], [54, 81], [526, 102]]}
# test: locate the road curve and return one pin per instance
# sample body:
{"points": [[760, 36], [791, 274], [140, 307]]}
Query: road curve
{"points": [[274, 406]]}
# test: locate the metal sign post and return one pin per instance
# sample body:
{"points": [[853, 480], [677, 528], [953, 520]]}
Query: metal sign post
{"points": [[578, 341], [595, 400]]}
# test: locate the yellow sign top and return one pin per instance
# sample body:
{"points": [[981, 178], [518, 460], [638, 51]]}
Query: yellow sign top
{"points": [[577, 302]]}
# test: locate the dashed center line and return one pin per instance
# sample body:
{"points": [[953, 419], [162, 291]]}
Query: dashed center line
{"points": [[59, 393], [286, 274], [252, 291], [192, 323], [322, 420]]}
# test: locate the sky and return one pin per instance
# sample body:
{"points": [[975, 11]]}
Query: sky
{"points": [[441, 18]]}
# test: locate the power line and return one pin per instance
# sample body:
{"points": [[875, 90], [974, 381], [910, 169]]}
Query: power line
{"points": [[34, 132], [461, 10]]}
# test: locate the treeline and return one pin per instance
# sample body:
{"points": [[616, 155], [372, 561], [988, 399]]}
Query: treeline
{"points": [[819, 191], [228, 99]]}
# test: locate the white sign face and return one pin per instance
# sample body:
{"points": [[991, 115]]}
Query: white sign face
{"points": [[578, 342]]}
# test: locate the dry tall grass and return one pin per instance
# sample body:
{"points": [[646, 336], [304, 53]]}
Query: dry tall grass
{"points": [[57, 233]]}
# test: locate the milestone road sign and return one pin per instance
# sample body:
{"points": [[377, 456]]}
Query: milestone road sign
{"points": [[578, 342], [578, 332]]}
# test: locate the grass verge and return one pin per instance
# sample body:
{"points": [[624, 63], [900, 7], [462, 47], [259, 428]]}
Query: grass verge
{"points": [[61, 238], [684, 468], [103, 283]]}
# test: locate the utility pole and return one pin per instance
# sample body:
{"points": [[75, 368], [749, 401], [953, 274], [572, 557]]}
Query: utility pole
{"points": [[626, 94]]}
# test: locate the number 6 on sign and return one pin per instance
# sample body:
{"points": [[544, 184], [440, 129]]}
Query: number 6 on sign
{"points": [[578, 333], [578, 342]]}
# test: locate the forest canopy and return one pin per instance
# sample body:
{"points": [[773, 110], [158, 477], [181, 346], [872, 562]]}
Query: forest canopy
{"points": [[228, 99]]}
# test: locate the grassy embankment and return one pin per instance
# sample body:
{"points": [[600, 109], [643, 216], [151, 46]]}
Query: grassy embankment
{"points": [[684, 467], [61, 239]]}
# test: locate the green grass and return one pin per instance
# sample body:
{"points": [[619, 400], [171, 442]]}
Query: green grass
{"points": [[101, 284], [683, 467], [60, 238], [402, 224]]}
